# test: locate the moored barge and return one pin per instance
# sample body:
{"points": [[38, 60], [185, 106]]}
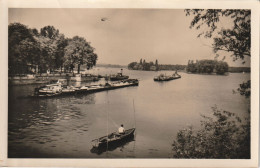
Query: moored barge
{"points": [[55, 90]]}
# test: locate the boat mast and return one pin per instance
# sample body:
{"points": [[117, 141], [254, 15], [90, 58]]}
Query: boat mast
{"points": [[134, 110], [107, 124]]}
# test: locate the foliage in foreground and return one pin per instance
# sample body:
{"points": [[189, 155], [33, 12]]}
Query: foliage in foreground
{"points": [[235, 40], [223, 136]]}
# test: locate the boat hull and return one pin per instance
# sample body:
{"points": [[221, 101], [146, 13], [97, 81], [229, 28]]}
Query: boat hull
{"points": [[168, 79], [77, 91], [113, 139]]}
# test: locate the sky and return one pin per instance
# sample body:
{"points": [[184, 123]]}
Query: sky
{"points": [[127, 35]]}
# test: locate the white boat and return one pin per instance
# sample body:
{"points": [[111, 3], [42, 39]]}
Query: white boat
{"points": [[51, 89], [91, 87], [69, 89]]}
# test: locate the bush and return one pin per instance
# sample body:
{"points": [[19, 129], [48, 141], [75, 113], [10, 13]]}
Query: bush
{"points": [[225, 136]]}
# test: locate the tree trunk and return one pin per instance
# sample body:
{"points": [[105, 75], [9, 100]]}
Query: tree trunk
{"points": [[78, 68]]}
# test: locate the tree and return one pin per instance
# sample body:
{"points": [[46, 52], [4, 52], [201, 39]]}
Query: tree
{"points": [[132, 65], [54, 46], [62, 42], [191, 67], [245, 89], [156, 62], [49, 32], [146, 66], [79, 52], [156, 65], [48, 49], [221, 67], [141, 61], [223, 136], [235, 40], [30, 51], [20, 39]]}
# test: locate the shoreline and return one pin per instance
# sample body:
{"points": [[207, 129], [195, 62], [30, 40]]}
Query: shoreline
{"points": [[29, 79]]}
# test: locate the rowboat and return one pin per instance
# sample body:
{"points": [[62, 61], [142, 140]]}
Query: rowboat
{"points": [[113, 139]]}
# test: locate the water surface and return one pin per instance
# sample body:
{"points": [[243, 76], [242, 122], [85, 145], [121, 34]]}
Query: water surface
{"points": [[63, 127]]}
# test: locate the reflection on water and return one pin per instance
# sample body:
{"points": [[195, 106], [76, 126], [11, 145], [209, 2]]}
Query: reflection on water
{"points": [[64, 127]]}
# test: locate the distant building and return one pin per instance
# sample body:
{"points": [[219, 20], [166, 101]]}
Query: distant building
{"points": [[153, 68]]}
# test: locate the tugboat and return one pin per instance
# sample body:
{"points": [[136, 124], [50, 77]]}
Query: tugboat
{"points": [[116, 77]]}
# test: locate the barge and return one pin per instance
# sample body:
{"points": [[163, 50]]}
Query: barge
{"points": [[55, 90]]}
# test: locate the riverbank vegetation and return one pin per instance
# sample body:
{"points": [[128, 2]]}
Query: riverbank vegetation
{"points": [[33, 51], [207, 66], [224, 134]]}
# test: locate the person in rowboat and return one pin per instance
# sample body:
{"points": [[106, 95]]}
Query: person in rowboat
{"points": [[121, 130]]}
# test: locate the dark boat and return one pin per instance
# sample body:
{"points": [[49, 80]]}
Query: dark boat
{"points": [[113, 139], [113, 146], [116, 77]]}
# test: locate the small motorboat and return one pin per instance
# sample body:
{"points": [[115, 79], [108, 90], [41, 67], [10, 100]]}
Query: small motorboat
{"points": [[113, 139]]}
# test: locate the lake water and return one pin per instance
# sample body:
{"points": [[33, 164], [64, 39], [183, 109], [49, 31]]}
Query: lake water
{"points": [[64, 127]]}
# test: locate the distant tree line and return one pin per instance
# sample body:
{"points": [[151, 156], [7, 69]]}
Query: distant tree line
{"points": [[239, 69], [111, 66], [153, 66], [207, 66], [172, 67], [32, 51], [143, 65]]}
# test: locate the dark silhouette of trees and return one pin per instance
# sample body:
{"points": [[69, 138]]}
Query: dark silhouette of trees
{"points": [[132, 65], [221, 67], [156, 65], [79, 52], [156, 62], [22, 48], [48, 49]]}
